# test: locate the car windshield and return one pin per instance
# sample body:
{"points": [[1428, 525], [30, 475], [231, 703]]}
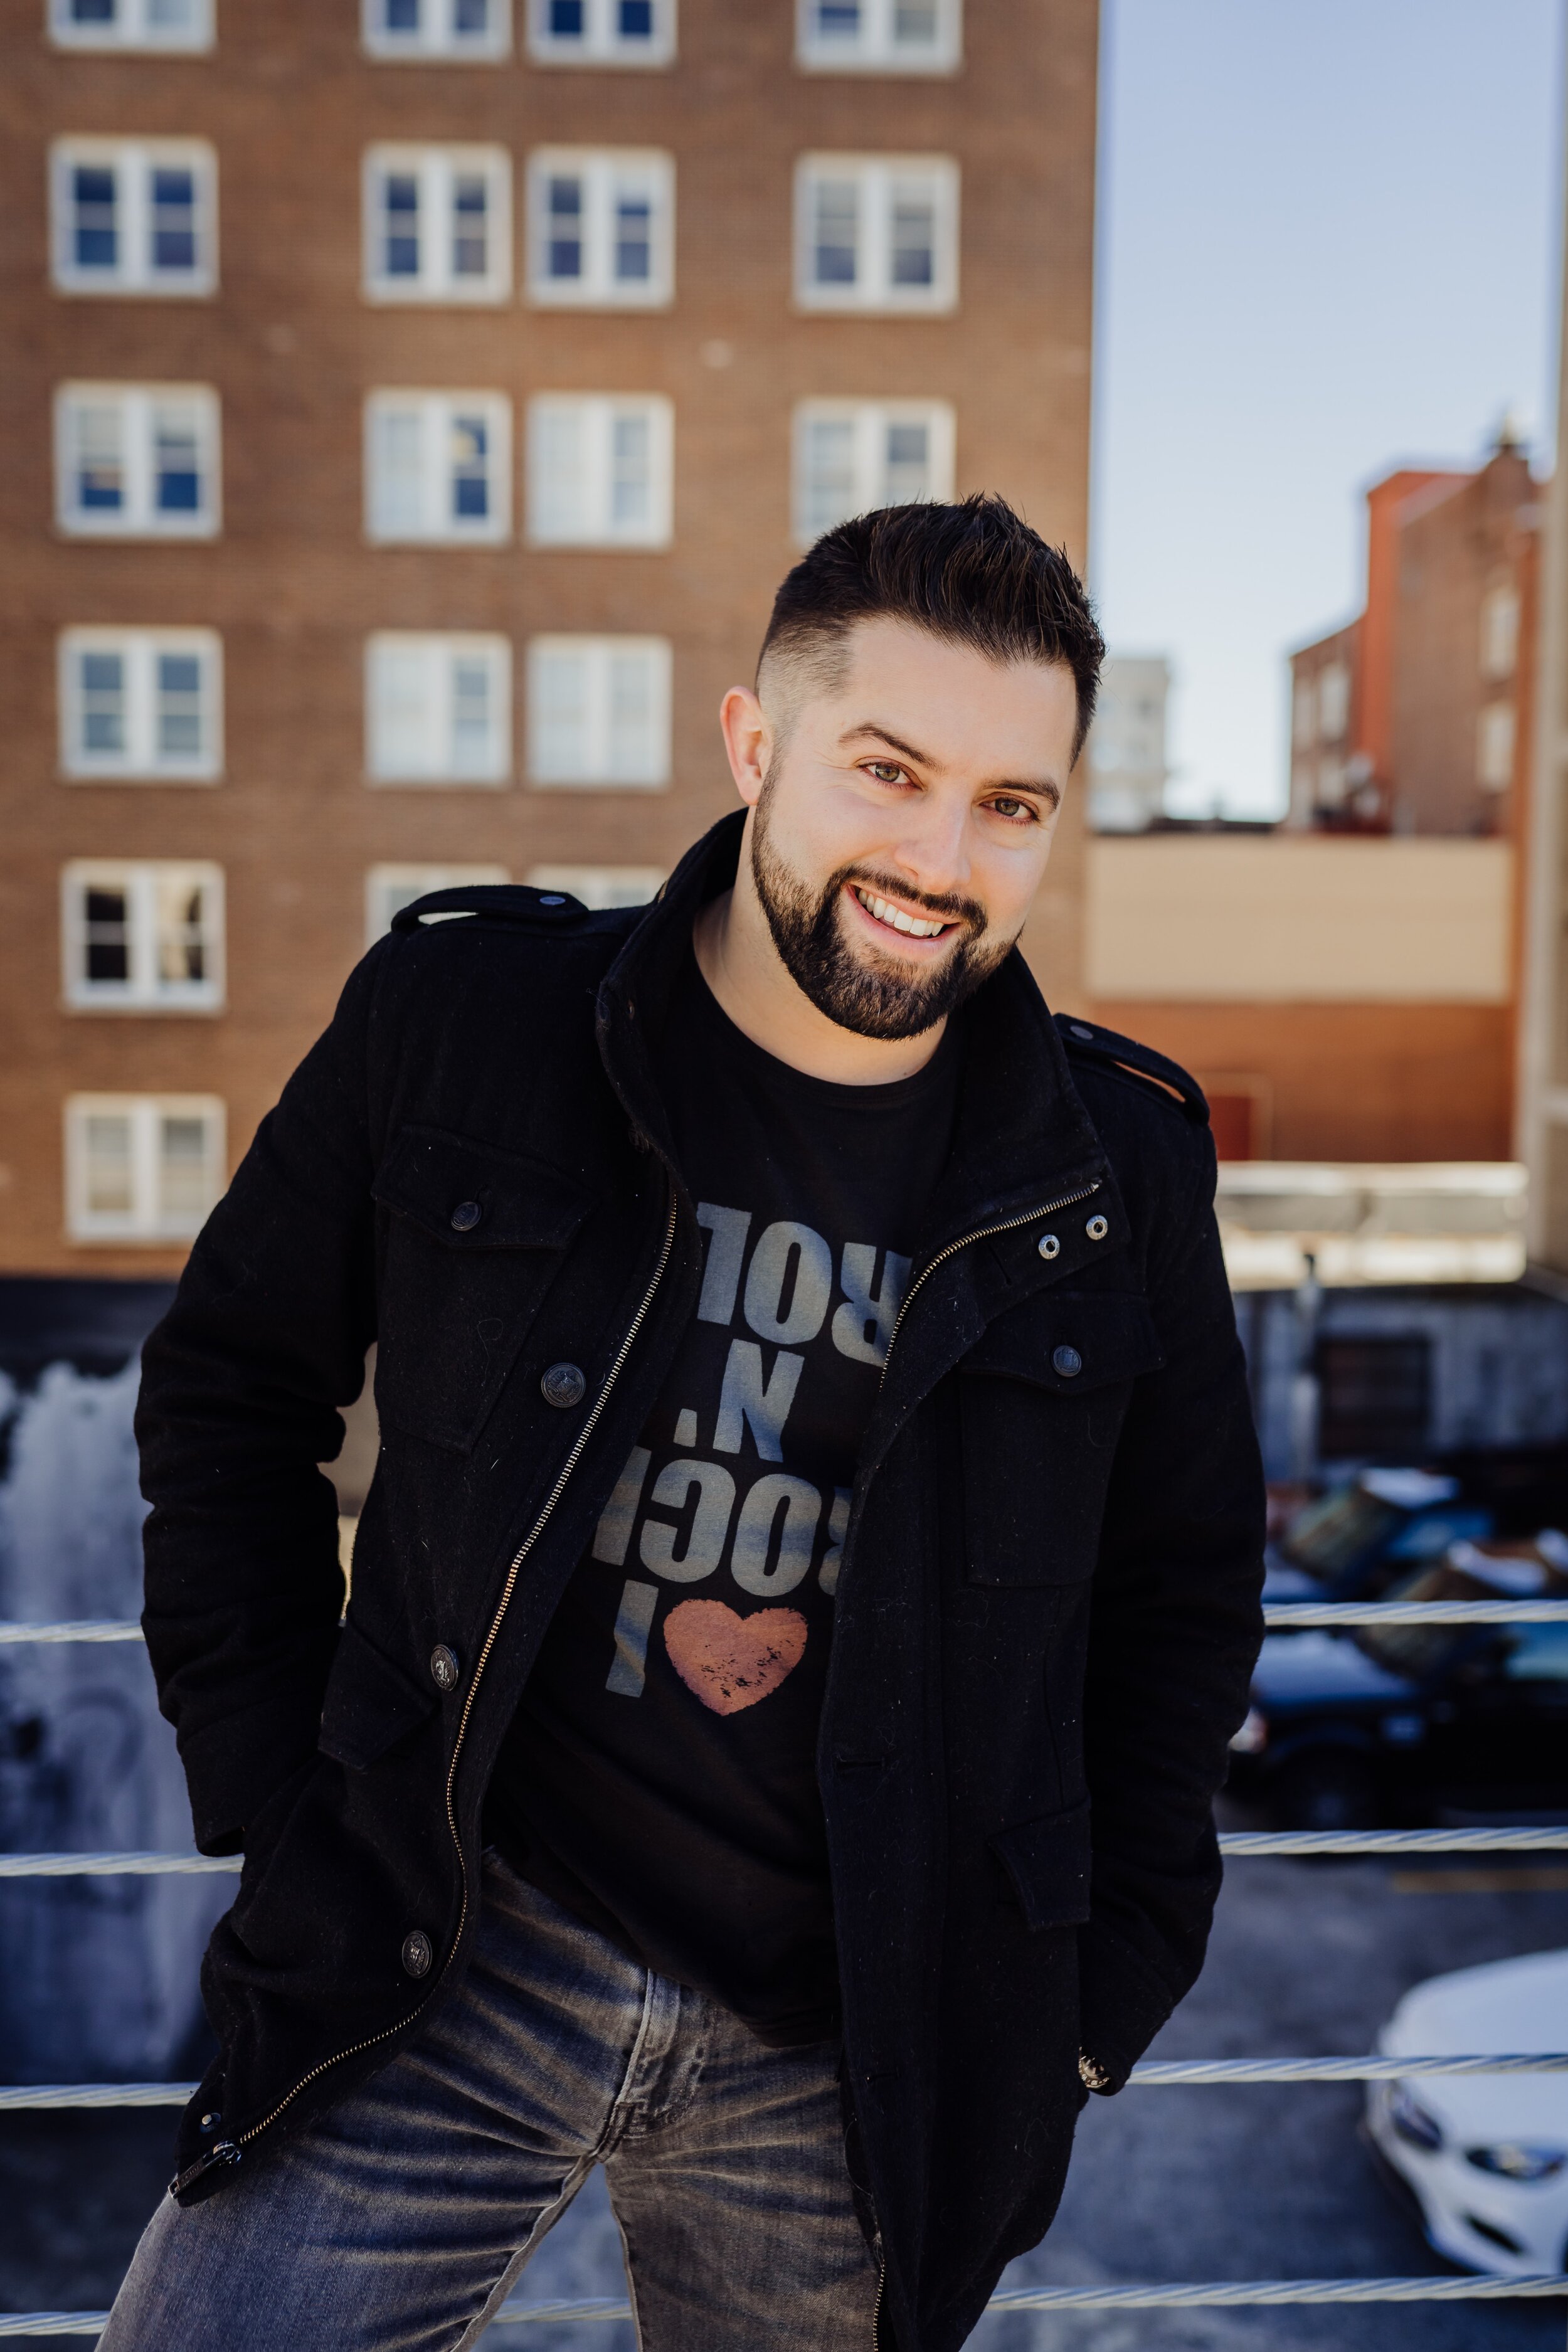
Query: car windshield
{"points": [[1331, 1534]]}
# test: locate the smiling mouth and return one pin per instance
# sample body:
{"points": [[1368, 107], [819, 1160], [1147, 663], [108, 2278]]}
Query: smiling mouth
{"points": [[913, 927]]}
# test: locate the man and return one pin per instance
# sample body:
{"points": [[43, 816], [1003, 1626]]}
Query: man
{"points": [[811, 1575]]}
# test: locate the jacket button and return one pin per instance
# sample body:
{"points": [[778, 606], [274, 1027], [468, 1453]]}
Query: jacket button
{"points": [[466, 1216], [416, 1952], [1096, 1229], [1068, 1362], [562, 1385], [1048, 1246], [210, 2121], [444, 1667]]}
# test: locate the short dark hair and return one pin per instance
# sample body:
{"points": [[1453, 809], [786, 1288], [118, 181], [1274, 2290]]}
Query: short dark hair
{"points": [[974, 573]]}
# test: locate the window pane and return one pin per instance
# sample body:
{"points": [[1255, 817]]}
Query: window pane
{"points": [[837, 20], [636, 20], [634, 238], [95, 242], [398, 472], [181, 944], [471, 469], [402, 718], [907, 473], [176, 462], [106, 937], [914, 23], [101, 681], [174, 220], [828, 491], [838, 230], [634, 755], [631, 473], [100, 459], [185, 1184], [400, 204], [171, 15], [94, 12], [914, 238], [471, 224], [560, 718], [567, 20], [566, 239], [470, 715], [179, 709], [559, 485], [105, 1148], [401, 17], [471, 18]]}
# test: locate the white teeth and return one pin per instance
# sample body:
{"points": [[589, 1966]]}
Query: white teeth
{"points": [[895, 917]]}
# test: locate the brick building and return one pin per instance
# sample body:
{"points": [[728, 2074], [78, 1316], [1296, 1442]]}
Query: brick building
{"points": [[410, 406]]}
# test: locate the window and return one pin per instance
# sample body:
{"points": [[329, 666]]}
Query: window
{"points": [[131, 24], [879, 36], [437, 224], [145, 936], [134, 217], [1375, 1399], [141, 703], [1499, 630], [1333, 701], [137, 461], [852, 454], [602, 32], [601, 227], [439, 467], [598, 712], [599, 470], [480, 29], [1494, 747], [141, 1167], [876, 232], [437, 709], [600, 886], [389, 888], [1331, 781], [1304, 725]]}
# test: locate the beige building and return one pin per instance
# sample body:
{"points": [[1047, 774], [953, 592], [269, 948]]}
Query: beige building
{"points": [[409, 407]]}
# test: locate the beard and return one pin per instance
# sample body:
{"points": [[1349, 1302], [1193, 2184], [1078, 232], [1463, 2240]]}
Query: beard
{"points": [[861, 990]]}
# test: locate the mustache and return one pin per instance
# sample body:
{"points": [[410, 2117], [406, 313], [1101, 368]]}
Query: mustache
{"points": [[945, 905]]}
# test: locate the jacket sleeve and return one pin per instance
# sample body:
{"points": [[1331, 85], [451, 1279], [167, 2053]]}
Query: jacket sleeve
{"points": [[240, 1385], [1175, 1634]]}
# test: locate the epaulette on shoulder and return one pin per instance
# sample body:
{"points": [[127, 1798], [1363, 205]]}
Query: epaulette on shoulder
{"points": [[1117, 1053], [497, 902]]}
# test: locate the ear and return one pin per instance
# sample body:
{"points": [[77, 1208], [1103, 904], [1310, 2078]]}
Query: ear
{"points": [[748, 740]]}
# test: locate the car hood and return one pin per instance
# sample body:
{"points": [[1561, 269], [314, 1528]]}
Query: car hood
{"points": [[1508, 2005], [1294, 1668]]}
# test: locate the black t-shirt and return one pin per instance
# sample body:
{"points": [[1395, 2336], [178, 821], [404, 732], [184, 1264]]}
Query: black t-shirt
{"points": [[659, 1778]]}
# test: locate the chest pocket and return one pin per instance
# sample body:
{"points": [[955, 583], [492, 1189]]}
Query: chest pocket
{"points": [[475, 1239], [1042, 1399]]}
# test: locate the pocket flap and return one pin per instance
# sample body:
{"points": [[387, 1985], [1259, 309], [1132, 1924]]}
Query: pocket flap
{"points": [[1109, 1332], [521, 1202], [370, 1704], [1047, 1860]]}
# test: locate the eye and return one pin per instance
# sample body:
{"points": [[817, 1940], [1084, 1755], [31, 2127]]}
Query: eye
{"points": [[885, 771], [1014, 811]]}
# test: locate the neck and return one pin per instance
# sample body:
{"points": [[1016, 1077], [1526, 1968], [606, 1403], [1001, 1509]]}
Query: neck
{"points": [[737, 958]]}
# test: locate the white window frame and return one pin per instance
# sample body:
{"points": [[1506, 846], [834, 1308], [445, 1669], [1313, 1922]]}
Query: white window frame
{"points": [[601, 44], [438, 37], [599, 414], [411, 882], [141, 879], [147, 1219], [1499, 620], [597, 887], [435, 171], [134, 29], [603, 172], [871, 421], [137, 405], [1497, 744], [437, 412], [140, 652], [876, 179], [877, 49], [596, 771], [132, 162], [443, 650]]}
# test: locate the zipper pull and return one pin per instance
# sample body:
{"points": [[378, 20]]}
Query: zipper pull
{"points": [[225, 2153]]}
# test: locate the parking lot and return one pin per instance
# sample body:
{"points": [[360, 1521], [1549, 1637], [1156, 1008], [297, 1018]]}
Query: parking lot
{"points": [[1250, 2181]]}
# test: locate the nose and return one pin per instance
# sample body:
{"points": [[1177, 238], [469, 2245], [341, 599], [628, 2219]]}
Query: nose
{"points": [[934, 847]]}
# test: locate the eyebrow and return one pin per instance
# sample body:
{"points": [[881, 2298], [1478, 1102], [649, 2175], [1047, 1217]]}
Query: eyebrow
{"points": [[1043, 787]]}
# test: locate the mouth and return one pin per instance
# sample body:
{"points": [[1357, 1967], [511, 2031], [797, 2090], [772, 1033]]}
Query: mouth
{"points": [[911, 930]]}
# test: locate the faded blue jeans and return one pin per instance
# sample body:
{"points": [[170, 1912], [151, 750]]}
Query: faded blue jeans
{"points": [[401, 2219]]}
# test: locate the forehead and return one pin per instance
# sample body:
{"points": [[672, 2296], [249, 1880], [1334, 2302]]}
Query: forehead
{"points": [[950, 701]]}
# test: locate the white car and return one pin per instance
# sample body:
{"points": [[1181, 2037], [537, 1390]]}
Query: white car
{"points": [[1485, 2155]]}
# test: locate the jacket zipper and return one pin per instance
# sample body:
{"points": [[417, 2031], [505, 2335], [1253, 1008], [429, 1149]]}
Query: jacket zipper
{"points": [[228, 2151], [877, 2307], [982, 1234]]}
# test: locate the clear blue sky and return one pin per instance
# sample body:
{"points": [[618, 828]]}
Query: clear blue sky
{"points": [[1328, 245]]}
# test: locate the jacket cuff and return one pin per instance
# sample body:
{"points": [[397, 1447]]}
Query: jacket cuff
{"points": [[1122, 2004], [233, 1766]]}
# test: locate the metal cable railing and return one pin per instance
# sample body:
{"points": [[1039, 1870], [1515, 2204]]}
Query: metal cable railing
{"points": [[1280, 1616]]}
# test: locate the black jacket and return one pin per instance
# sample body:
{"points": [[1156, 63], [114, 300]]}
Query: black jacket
{"points": [[1047, 1606]]}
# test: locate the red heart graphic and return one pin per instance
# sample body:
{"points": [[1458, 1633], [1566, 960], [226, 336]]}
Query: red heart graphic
{"points": [[728, 1660]]}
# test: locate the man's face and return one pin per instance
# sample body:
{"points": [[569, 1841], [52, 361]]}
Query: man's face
{"points": [[903, 825]]}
